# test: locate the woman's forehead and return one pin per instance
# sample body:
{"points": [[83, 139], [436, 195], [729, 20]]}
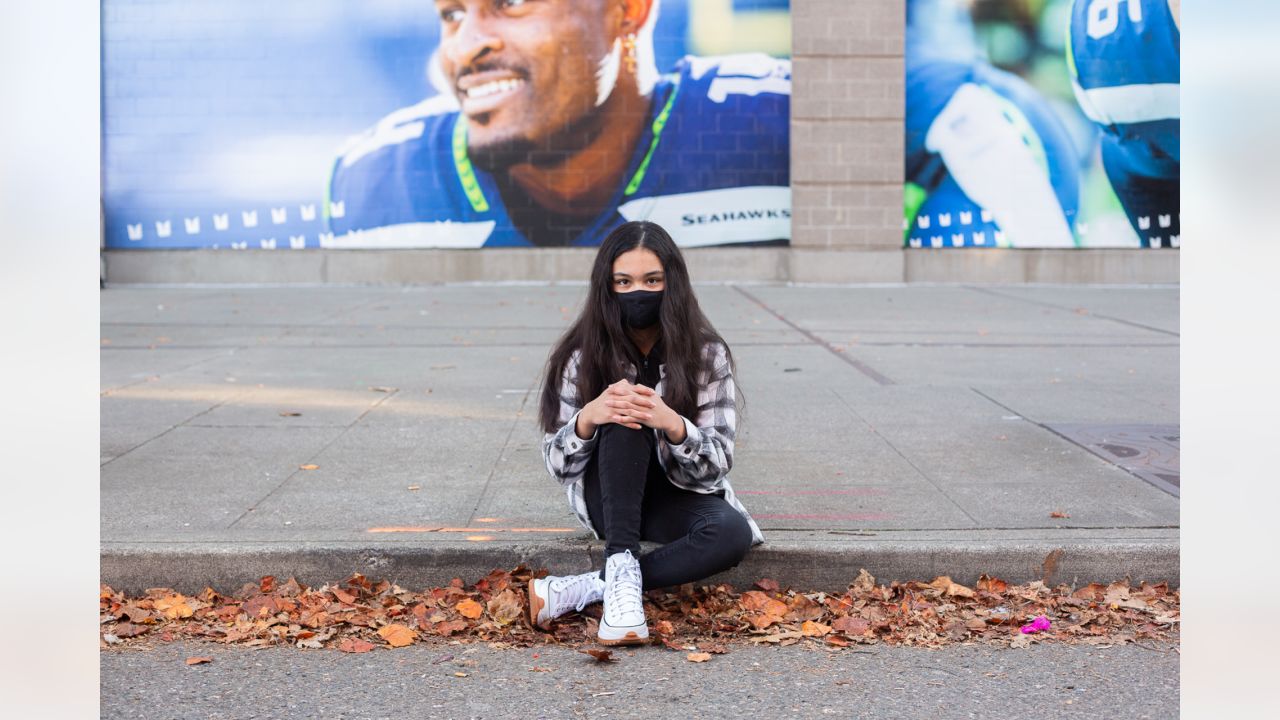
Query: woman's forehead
{"points": [[638, 261]]}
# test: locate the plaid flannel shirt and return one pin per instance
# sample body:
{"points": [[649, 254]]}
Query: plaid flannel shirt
{"points": [[699, 464]]}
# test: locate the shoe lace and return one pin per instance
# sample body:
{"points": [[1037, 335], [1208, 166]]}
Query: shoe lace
{"points": [[576, 591], [625, 593]]}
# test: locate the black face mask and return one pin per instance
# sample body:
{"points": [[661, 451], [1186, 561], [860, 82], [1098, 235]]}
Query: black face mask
{"points": [[640, 308]]}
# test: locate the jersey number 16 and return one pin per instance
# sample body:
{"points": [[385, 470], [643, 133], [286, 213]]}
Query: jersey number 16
{"points": [[1104, 16]]}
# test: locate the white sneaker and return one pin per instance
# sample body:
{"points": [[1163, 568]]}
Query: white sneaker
{"points": [[552, 596], [623, 622]]}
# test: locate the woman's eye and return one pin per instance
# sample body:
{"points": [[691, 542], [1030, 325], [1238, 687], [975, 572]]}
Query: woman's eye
{"points": [[452, 15], [510, 3]]}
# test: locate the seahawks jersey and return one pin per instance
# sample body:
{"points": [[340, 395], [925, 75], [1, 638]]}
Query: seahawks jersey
{"points": [[1124, 57], [1124, 61], [712, 167]]}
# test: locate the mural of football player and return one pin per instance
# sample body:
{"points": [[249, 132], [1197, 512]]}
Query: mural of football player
{"points": [[1123, 56], [554, 126], [988, 164]]}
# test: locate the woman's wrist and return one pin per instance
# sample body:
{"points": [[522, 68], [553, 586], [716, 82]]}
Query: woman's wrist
{"points": [[584, 428], [675, 431]]}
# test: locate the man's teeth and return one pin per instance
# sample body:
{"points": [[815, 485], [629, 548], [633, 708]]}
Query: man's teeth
{"points": [[492, 88]]}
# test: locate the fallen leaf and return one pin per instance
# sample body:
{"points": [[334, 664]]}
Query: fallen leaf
{"points": [[1050, 564], [174, 607], [864, 582], [756, 601], [809, 628], [449, 627], [259, 607], [801, 608], [505, 607], [698, 657], [950, 589], [309, 467], [600, 655], [671, 644], [397, 635], [538, 668], [199, 660], [767, 585], [355, 645], [136, 614], [1116, 593], [851, 626], [383, 389], [1058, 514], [761, 621], [469, 609], [992, 585], [126, 630], [415, 487], [664, 627], [460, 674], [289, 413]]}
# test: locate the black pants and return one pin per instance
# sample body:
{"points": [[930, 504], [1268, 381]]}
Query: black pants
{"points": [[630, 499]]}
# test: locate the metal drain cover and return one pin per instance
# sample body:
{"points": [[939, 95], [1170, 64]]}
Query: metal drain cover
{"points": [[1148, 451]]}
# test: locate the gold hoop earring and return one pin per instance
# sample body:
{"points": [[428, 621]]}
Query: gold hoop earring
{"points": [[629, 53]]}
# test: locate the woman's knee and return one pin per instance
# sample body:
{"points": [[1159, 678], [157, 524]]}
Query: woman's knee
{"points": [[726, 536], [612, 434]]}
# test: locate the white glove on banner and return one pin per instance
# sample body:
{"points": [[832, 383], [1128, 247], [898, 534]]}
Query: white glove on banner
{"points": [[986, 155]]}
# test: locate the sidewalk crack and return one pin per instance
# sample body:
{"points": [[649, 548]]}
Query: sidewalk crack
{"points": [[860, 366], [506, 442], [1055, 306]]}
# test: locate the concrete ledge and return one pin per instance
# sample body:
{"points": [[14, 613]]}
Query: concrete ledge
{"points": [[733, 264], [1070, 266], [812, 561], [846, 266]]}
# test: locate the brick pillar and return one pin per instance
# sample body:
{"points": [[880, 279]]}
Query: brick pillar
{"points": [[847, 110]]}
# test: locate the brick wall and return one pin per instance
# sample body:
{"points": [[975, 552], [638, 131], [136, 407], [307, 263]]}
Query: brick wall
{"points": [[847, 124]]}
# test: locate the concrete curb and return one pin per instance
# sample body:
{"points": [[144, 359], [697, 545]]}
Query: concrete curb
{"points": [[812, 565]]}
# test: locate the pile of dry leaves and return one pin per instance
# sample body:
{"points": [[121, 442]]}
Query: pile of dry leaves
{"points": [[360, 615]]}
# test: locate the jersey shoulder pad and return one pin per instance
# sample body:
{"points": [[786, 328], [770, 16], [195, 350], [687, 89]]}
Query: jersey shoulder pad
{"points": [[404, 125], [718, 76]]}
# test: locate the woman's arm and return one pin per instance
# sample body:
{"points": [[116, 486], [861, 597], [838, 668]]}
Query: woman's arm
{"points": [[706, 453], [565, 453]]}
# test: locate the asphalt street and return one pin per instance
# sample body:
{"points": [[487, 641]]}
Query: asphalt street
{"points": [[475, 681]]}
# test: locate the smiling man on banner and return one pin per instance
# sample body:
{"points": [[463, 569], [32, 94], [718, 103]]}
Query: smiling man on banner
{"points": [[554, 126]]}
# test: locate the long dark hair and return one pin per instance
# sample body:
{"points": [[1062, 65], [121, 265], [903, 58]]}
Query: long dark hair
{"points": [[601, 336]]}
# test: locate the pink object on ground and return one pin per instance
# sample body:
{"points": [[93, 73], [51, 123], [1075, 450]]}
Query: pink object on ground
{"points": [[1040, 623]]}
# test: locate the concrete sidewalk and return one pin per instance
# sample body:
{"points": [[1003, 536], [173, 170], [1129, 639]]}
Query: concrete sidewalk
{"points": [[911, 430]]}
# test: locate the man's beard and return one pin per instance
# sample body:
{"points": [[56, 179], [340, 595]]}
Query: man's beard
{"points": [[553, 150], [502, 154]]}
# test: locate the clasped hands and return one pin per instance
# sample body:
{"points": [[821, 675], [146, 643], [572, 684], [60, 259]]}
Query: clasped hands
{"points": [[631, 406]]}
